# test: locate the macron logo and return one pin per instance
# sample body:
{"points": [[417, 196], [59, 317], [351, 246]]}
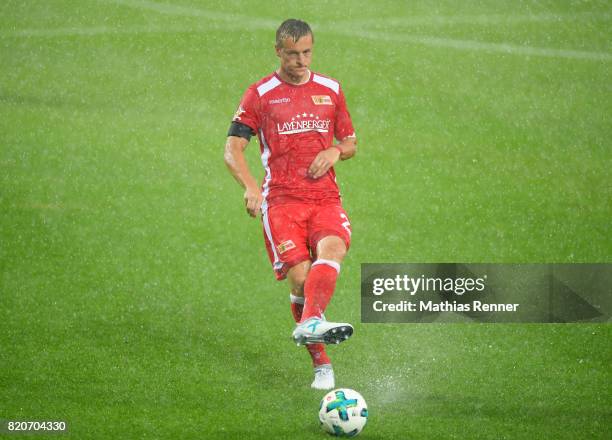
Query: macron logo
{"points": [[279, 101]]}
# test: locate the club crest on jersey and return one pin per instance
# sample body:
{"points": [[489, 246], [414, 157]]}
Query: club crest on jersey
{"points": [[238, 113], [285, 246], [322, 100]]}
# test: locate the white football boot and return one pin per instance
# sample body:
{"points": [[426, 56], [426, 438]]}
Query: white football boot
{"points": [[324, 378], [316, 330]]}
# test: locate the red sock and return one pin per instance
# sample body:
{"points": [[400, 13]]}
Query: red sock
{"points": [[319, 287], [318, 354], [297, 307], [316, 351]]}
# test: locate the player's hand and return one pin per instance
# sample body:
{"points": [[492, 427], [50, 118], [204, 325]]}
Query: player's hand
{"points": [[323, 162], [253, 199]]}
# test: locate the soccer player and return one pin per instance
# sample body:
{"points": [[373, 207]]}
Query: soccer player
{"points": [[296, 113]]}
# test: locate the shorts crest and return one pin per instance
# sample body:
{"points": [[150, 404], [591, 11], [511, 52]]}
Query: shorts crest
{"points": [[285, 246]]}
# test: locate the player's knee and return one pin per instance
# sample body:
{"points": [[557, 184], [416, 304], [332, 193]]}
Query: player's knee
{"points": [[332, 248], [338, 253], [297, 289], [297, 277]]}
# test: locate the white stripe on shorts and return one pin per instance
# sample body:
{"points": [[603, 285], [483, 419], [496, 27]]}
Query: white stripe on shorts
{"points": [[278, 265]]}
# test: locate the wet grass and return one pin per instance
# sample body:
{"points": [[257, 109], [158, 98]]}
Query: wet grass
{"points": [[136, 297]]}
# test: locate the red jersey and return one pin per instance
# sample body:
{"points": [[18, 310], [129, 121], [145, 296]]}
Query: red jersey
{"points": [[294, 123]]}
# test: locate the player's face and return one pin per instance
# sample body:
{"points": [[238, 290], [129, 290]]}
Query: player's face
{"points": [[295, 58]]}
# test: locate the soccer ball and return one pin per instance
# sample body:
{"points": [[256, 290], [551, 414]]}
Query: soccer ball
{"points": [[343, 412]]}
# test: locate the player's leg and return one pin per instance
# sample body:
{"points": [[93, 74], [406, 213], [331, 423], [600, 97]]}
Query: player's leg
{"points": [[297, 277], [324, 373], [318, 290], [330, 237], [286, 239], [321, 282]]}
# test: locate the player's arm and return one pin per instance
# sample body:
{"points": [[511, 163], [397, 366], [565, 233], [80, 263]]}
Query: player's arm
{"points": [[326, 159], [237, 141], [344, 149], [347, 147]]}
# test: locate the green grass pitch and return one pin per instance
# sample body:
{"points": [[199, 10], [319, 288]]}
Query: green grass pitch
{"points": [[136, 299]]}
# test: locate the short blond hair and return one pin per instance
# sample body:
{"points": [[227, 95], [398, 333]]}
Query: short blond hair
{"points": [[294, 29]]}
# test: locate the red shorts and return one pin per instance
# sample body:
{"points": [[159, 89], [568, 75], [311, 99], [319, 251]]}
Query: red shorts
{"points": [[292, 231]]}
